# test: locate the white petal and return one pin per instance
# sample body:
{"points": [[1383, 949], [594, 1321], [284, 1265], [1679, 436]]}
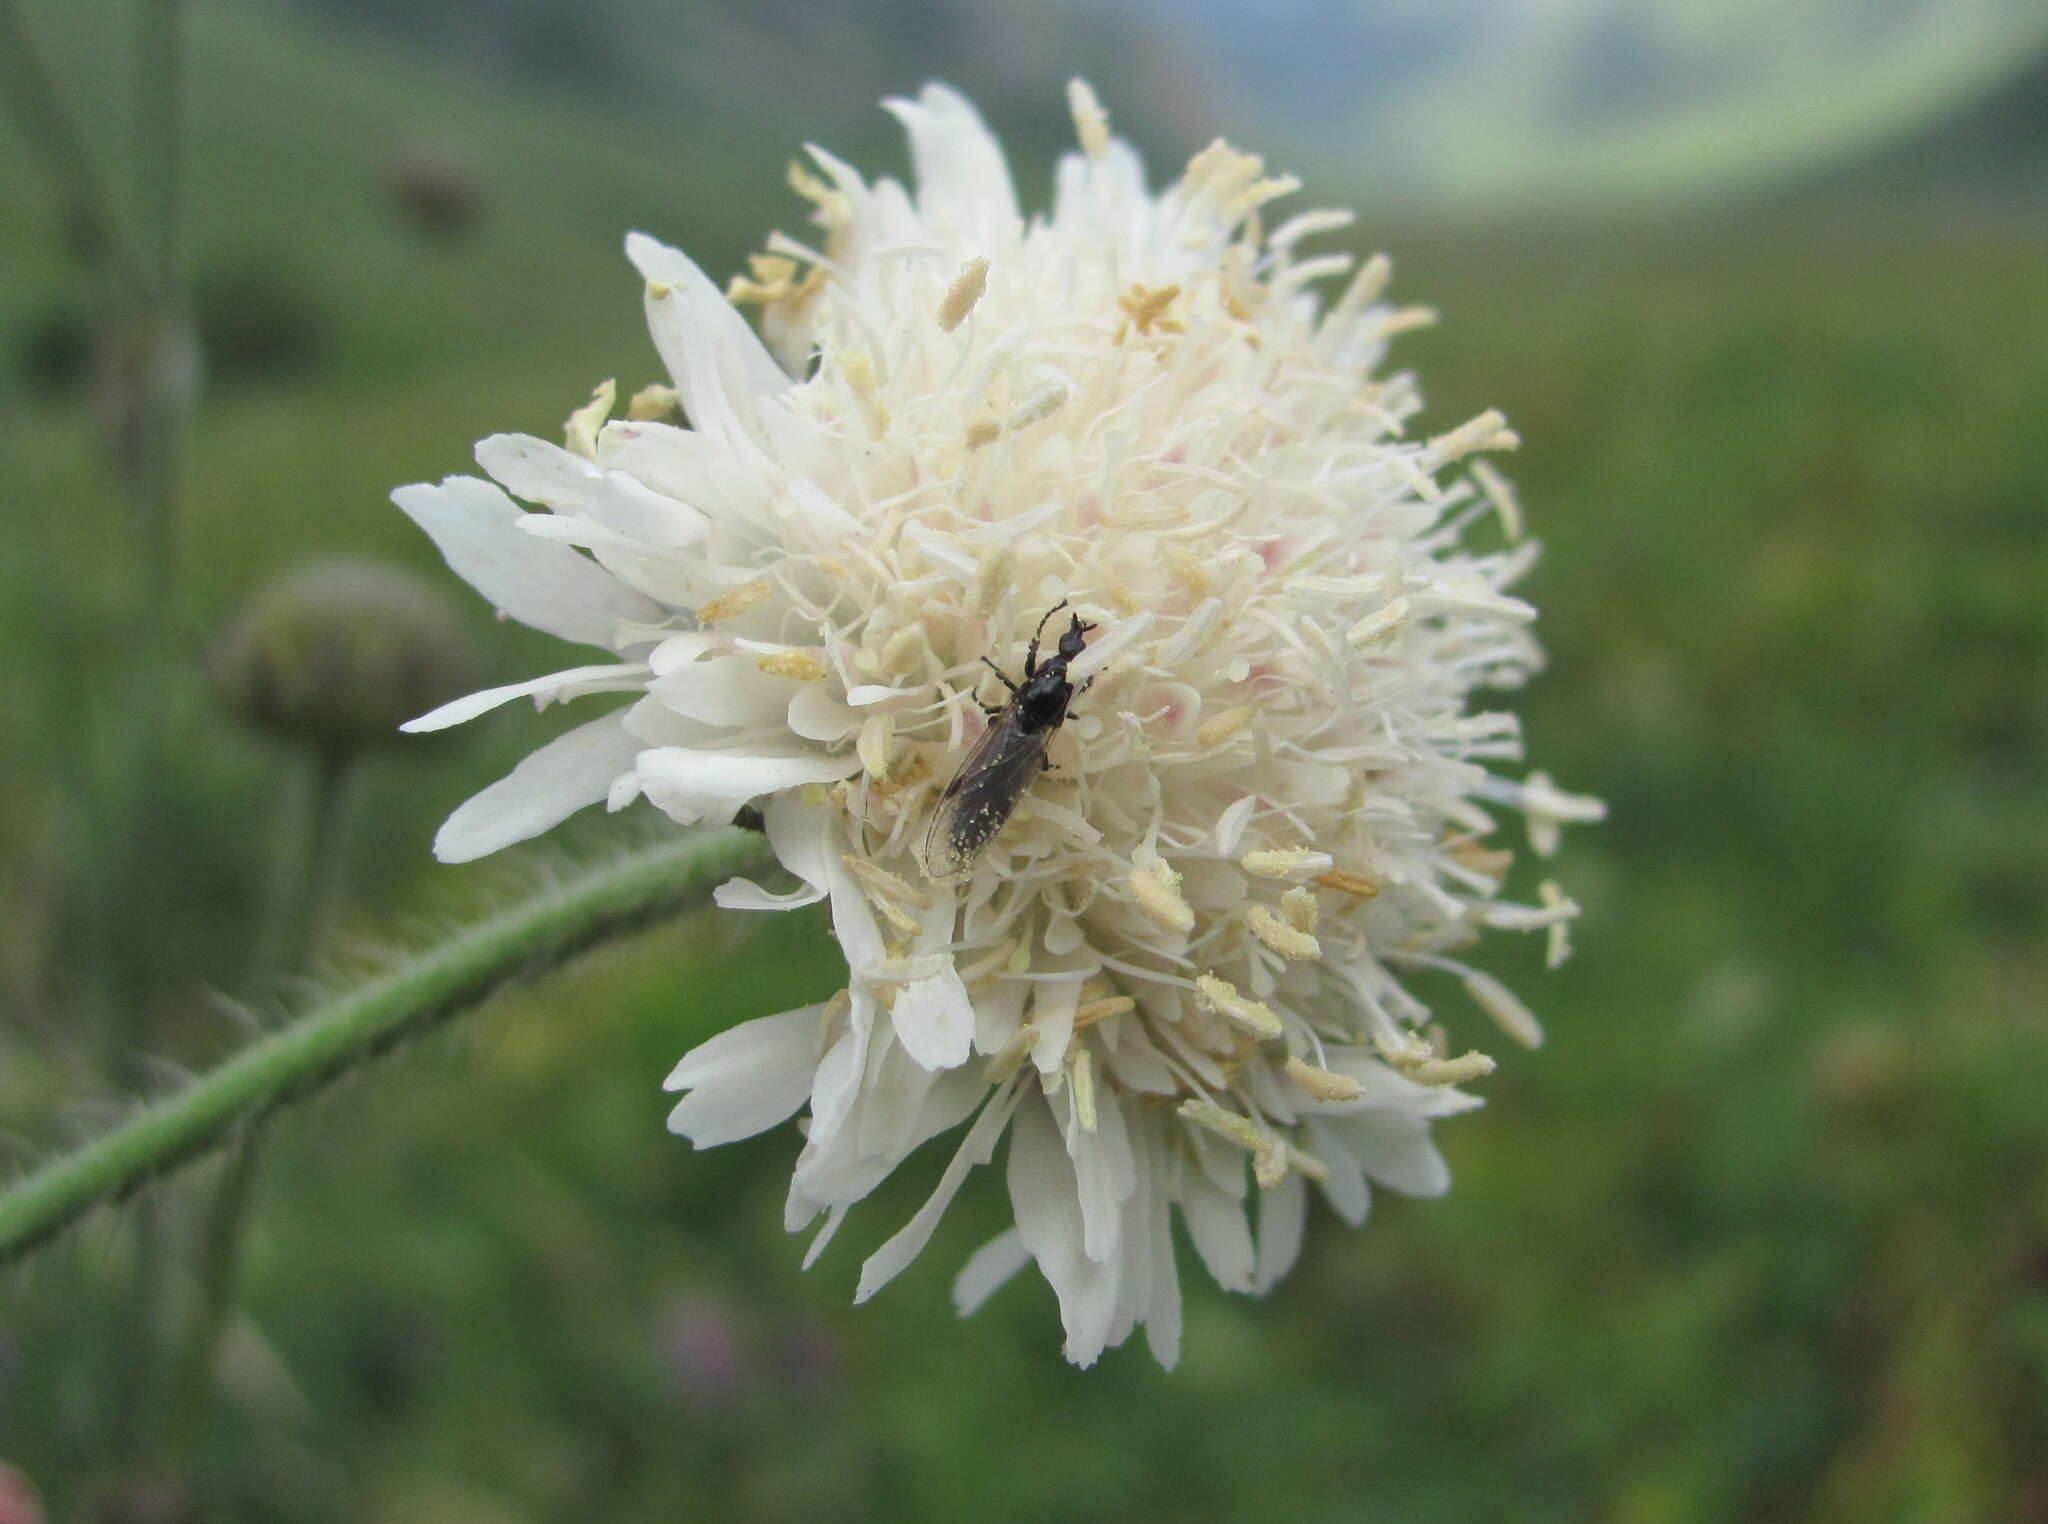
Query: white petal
{"points": [[571, 771], [1221, 1235], [978, 1147], [746, 1079], [1162, 1319], [800, 835], [727, 691], [620, 677], [1283, 1212], [693, 785], [988, 1270], [1345, 1187], [935, 1020], [963, 183], [1043, 1194], [538, 471], [476, 528], [718, 365], [1396, 1151]]}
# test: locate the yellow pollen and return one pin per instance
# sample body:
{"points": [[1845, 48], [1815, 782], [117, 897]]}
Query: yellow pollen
{"points": [[651, 403], [1269, 1164], [877, 740], [1091, 122], [658, 290], [1156, 889], [1039, 404], [981, 431], [1145, 307], [834, 211], [1322, 1084], [1445, 1071], [1284, 862], [1119, 594], [1221, 727], [1299, 908], [961, 296], [1356, 885], [742, 599], [1253, 1016], [804, 666], [774, 278], [581, 431], [1286, 940]]}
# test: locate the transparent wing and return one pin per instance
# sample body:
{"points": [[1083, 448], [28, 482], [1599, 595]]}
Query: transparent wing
{"points": [[981, 796]]}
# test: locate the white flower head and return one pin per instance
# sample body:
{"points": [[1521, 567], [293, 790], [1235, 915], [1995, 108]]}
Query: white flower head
{"points": [[1175, 977]]}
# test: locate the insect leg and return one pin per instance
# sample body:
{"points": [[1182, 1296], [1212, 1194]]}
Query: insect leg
{"points": [[1031, 654], [999, 672]]}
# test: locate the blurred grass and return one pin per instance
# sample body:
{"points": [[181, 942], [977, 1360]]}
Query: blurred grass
{"points": [[1762, 1234]]}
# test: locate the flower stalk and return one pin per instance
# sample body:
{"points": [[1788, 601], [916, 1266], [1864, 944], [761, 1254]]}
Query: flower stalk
{"points": [[456, 975]]}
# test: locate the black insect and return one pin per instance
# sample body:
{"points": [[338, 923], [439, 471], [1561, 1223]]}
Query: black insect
{"points": [[1009, 755]]}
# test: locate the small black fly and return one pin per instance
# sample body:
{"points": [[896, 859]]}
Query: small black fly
{"points": [[1009, 755]]}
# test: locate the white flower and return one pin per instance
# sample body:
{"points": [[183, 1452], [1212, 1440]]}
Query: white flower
{"points": [[1180, 968]]}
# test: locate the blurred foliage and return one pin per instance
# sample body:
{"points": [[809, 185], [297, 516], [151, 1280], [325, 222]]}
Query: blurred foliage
{"points": [[1762, 1234]]}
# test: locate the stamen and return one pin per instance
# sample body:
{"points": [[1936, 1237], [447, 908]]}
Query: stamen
{"points": [[961, 296], [1091, 122], [1356, 885], [1082, 1078], [1508, 1013], [1323, 1084], [1489, 431], [1253, 1016], [1220, 728], [885, 883], [1286, 940], [995, 575], [1156, 890], [1501, 496], [1374, 628], [1241, 1130], [1554, 898], [1286, 862], [1299, 908], [581, 431], [1091, 1011], [742, 599], [651, 403], [804, 666], [877, 739], [1446, 1071]]}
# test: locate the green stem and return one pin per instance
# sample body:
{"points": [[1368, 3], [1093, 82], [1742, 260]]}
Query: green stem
{"points": [[354, 1027]]}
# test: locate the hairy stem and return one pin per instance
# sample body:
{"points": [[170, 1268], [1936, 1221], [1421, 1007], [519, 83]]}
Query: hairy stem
{"points": [[351, 1028]]}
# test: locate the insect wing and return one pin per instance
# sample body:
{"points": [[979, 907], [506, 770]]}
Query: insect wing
{"points": [[982, 795]]}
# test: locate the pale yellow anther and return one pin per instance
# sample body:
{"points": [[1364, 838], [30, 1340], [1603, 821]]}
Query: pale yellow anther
{"points": [[832, 567], [804, 666], [581, 431], [1239, 1129], [1286, 940], [859, 371], [1040, 403], [1145, 308], [1357, 885], [1221, 726], [1489, 431], [1367, 286], [994, 575], [1446, 1071], [982, 431], [1188, 571], [830, 1015], [773, 279], [834, 210], [1285, 862], [1009, 1058], [886, 884], [1156, 890], [1323, 1084], [1502, 496], [1508, 1013], [1269, 1164], [876, 744], [1020, 957], [961, 296], [1554, 898], [651, 403], [1118, 593], [1091, 122], [1298, 907], [659, 291], [1082, 1077], [1405, 320], [1252, 1016], [987, 964], [1378, 625], [1089, 1012], [743, 599]]}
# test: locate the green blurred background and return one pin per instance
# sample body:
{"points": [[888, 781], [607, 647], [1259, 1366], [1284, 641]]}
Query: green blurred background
{"points": [[1761, 1234]]}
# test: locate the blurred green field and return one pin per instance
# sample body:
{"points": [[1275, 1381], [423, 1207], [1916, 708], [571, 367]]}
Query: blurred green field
{"points": [[1761, 1234]]}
